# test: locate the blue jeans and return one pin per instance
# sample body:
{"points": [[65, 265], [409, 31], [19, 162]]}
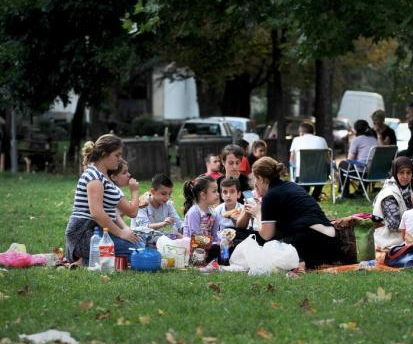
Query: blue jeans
{"points": [[122, 246]]}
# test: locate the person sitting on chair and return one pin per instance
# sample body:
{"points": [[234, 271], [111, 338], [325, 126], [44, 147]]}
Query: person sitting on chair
{"points": [[385, 135], [306, 140], [359, 151]]}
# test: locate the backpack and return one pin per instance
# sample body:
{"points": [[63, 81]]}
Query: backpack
{"points": [[400, 256]]}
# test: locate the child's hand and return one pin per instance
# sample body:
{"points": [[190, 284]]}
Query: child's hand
{"points": [[128, 235], [169, 220], [133, 184]]}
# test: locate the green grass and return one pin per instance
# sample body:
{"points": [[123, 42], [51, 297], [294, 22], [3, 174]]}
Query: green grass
{"points": [[141, 308]]}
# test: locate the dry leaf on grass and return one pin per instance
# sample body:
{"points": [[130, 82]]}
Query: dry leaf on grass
{"points": [[379, 297], [170, 338], [144, 319], [306, 307], [32, 218], [209, 340], [25, 291], [199, 331], [255, 286], [352, 326], [121, 321], [214, 286], [216, 297], [119, 301], [161, 312], [102, 314], [4, 296], [104, 278], [85, 305], [263, 333], [274, 305], [270, 287]]}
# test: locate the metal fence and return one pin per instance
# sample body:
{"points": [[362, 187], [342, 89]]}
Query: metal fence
{"points": [[192, 153], [146, 156]]}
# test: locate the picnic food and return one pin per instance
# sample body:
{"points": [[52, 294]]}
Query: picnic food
{"points": [[144, 200], [232, 213]]}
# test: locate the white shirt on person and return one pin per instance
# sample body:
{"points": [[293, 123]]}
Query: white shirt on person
{"points": [[306, 141]]}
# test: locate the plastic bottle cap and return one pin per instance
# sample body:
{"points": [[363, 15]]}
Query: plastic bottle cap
{"points": [[105, 230]]}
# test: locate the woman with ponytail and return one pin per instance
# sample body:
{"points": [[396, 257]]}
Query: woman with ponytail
{"points": [[96, 200], [291, 215], [359, 150]]}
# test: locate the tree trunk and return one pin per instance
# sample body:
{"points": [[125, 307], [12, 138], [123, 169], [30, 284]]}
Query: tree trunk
{"points": [[209, 99], [323, 94], [237, 96], [77, 126], [282, 151]]}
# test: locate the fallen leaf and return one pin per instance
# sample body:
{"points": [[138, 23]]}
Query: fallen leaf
{"points": [[85, 305], [25, 291], [323, 322], [32, 218], [144, 319], [17, 321], [170, 338], [216, 297], [306, 307], [5, 341], [264, 334], [105, 278], [119, 301], [255, 286], [379, 297], [121, 321], [214, 286], [59, 204], [338, 301], [161, 312], [209, 340], [359, 302], [4, 296], [270, 287], [102, 314], [274, 305], [352, 325], [199, 331]]}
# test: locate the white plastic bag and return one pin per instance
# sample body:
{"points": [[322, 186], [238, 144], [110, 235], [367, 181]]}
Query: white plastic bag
{"points": [[272, 257], [249, 246], [164, 243], [280, 255]]}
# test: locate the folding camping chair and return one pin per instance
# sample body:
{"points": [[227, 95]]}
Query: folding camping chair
{"points": [[316, 168], [375, 170]]}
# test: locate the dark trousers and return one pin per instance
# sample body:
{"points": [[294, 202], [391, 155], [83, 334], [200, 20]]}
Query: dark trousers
{"points": [[316, 191], [344, 165]]}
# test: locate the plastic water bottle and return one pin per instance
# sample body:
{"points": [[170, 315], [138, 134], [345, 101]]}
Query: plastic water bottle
{"points": [[366, 264], [224, 252], [107, 253], [94, 262]]}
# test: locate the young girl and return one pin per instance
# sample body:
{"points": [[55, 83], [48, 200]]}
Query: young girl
{"points": [[231, 157], [96, 200], [200, 194], [120, 177], [258, 150]]}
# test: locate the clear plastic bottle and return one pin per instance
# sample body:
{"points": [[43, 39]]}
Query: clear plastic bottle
{"points": [[107, 253], [366, 264], [224, 251], [94, 253]]}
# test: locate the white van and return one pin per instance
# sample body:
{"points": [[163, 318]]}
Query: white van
{"points": [[357, 105]]}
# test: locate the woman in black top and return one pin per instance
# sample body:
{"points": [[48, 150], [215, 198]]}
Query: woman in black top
{"points": [[290, 215], [231, 157]]}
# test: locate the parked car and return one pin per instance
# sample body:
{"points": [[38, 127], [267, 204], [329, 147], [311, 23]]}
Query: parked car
{"points": [[244, 125], [203, 128]]}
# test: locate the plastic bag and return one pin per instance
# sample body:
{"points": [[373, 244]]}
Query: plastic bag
{"points": [[280, 255], [164, 243], [20, 260], [240, 252]]}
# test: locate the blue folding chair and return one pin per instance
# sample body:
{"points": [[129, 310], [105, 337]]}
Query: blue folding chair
{"points": [[316, 168], [375, 170]]}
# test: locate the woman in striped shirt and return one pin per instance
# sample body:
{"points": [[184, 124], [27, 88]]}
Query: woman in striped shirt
{"points": [[96, 200]]}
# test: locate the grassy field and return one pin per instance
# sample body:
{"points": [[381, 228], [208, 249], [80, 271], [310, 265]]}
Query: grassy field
{"points": [[183, 306]]}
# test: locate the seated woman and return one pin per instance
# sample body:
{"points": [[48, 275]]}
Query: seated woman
{"points": [[391, 202], [96, 201], [290, 215], [359, 150]]}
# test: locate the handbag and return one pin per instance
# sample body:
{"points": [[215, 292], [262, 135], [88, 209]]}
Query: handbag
{"points": [[400, 256]]}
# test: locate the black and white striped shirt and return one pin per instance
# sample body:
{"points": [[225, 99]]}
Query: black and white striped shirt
{"points": [[111, 194]]}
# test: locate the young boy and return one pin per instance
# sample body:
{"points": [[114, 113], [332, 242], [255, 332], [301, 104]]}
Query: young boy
{"points": [[228, 211], [160, 212]]}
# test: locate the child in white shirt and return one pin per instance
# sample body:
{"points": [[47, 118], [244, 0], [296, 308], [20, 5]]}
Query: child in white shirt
{"points": [[406, 226], [228, 211]]}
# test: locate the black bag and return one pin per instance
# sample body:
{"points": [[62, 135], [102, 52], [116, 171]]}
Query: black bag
{"points": [[400, 256], [346, 239]]}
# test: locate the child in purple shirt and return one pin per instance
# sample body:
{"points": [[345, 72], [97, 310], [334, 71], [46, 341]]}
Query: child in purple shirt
{"points": [[200, 194]]}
